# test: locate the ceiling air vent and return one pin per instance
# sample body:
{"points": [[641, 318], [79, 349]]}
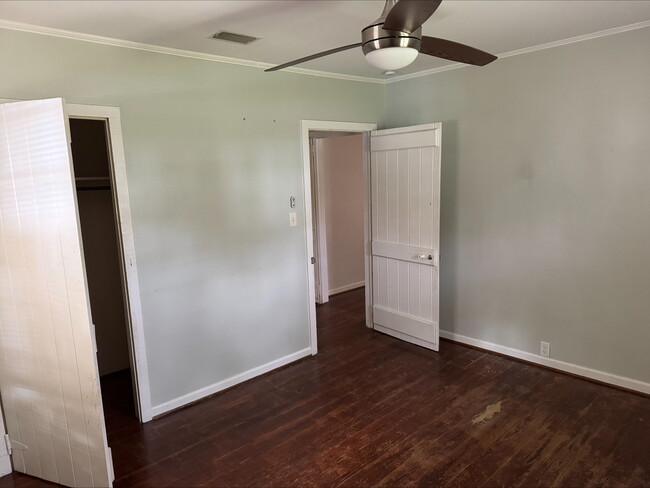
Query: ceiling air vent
{"points": [[232, 37]]}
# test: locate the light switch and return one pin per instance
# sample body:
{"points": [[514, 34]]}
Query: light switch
{"points": [[293, 220]]}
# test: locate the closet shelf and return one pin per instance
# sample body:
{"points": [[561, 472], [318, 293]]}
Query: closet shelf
{"points": [[93, 182]]}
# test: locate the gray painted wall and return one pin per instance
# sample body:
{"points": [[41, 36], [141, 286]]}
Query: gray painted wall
{"points": [[546, 199], [213, 155], [544, 196]]}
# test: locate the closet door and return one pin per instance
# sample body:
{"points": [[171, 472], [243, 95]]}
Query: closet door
{"points": [[49, 382]]}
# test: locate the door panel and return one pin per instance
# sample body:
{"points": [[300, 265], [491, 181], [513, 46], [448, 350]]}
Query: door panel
{"points": [[48, 370], [405, 185]]}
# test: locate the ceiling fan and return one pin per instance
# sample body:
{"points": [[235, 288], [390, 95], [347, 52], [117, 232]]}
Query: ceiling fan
{"points": [[394, 40]]}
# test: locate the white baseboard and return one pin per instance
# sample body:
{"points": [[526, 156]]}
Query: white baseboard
{"points": [[227, 383], [5, 464], [341, 289], [593, 374]]}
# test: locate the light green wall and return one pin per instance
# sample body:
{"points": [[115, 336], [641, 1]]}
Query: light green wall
{"points": [[545, 213], [213, 155], [546, 199]]}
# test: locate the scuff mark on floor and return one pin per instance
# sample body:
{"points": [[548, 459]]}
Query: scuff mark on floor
{"points": [[487, 414]]}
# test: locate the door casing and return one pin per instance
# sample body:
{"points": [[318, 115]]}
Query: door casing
{"points": [[323, 125], [126, 243]]}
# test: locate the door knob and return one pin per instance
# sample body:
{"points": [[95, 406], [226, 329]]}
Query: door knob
{"points": [[425, 256]]}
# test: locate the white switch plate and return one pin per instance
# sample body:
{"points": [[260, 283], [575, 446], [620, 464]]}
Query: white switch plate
{"points": [[293, 220]]}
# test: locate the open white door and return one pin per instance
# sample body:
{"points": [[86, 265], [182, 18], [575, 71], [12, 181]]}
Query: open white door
{"points": [[49, 381], [405, 189]]}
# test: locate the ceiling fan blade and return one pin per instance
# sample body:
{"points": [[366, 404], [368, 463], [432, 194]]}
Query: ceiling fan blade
{"points": [[314, 56], [454, 51], [409, 15]]}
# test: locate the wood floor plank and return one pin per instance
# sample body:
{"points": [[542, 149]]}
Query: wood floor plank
{"points": [[370, 410]]}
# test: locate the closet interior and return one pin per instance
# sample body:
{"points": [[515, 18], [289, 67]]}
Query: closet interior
{"points": [[102, 252]]}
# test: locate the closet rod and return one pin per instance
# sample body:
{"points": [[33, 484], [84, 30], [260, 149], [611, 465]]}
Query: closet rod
{"points": [[92, 188]]}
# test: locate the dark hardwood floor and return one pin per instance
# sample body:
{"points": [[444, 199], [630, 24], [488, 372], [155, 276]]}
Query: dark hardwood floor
{"points": [[370, 410]]}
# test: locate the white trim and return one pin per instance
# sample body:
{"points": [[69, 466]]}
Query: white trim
{"points": [[351, 286], [121, 193], [5, 459], [526, 50], [110, 41], [593, 374], [321, 270], [229, 382], [305, 127], [367, 230], [5, 464]]}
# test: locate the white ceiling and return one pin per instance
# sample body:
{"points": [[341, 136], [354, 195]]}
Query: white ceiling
{"points": [[292, 29]]}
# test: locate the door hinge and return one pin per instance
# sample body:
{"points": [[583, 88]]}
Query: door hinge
{"points": [[11, 445], [93, 333], [313, 260]]}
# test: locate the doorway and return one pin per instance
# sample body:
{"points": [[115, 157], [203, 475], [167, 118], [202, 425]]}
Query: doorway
{"points": [[102, 191], [321, 129], [104, 273], [401, 228], [338, 211]]}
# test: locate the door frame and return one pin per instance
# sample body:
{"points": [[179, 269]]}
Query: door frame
{"points": [[325, 125], [319, 226], [130, 282], [126, 244]]}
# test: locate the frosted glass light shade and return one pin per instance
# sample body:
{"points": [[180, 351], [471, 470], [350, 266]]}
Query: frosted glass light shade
{"points": [[392, 58]]}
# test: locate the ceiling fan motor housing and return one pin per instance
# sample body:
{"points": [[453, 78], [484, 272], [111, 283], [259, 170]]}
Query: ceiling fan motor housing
{"points": [[375, 37]]}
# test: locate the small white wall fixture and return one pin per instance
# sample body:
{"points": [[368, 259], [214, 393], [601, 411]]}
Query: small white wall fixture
{"points": [[322, 125]]}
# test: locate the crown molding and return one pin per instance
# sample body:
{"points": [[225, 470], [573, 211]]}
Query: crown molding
{"points": [[110, 41], [526, 50]]}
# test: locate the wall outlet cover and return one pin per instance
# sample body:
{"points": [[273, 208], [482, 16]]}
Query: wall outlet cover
{"points": [[545, 349]]}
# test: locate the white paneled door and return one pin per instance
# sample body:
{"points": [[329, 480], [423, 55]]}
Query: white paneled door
{"points": [[48, 369], [405, 194]]}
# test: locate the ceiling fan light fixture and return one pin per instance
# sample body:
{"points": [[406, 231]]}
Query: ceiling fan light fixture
{"points": [[390, 50], [392, 58], [395, 39]]}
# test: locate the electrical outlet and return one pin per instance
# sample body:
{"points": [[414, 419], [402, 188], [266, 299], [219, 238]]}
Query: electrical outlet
{"points": [[544, 349]]}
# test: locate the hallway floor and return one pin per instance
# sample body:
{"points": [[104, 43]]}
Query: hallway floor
{"points": [[370, 410]]}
